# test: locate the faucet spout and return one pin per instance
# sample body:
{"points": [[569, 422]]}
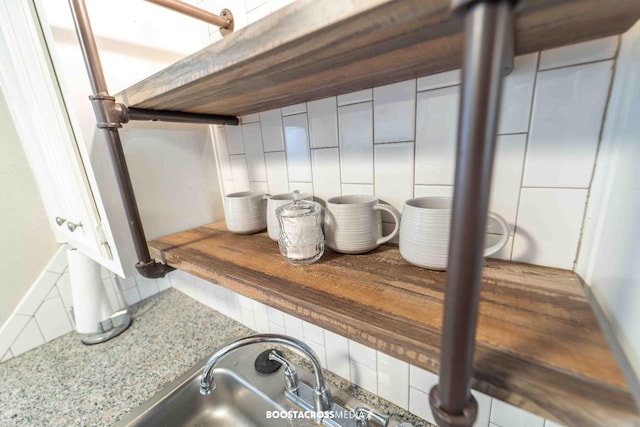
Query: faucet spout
{"points": [[322, 395]]}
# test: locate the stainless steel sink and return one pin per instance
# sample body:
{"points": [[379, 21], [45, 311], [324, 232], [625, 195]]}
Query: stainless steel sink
{"points": [[242, 398]]}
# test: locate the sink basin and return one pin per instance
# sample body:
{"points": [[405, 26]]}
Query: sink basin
{"points": [[244, 397], [241, 398]]}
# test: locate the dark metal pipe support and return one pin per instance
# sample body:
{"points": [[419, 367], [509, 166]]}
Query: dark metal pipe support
{"points": [[488, 33], [179, 117], [104, 105]]}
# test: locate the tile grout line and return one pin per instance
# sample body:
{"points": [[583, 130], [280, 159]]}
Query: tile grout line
{"points": [[524, 157], [605, 113], [577, 64]]}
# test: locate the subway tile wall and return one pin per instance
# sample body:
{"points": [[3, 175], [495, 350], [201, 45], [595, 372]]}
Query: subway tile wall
{"points": [[43, 313], [398, 141]]}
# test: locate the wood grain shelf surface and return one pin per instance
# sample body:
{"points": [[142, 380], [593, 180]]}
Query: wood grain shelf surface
{"points": [[539, 345], [314, 49]]}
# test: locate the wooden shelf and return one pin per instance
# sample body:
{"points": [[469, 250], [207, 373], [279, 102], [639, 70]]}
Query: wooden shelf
{"points": [[314, 49], [539, 345]]}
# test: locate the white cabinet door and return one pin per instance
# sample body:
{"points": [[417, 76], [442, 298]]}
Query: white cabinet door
{"points": [[33, 95]]}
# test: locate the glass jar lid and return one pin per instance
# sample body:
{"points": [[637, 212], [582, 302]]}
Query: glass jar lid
{"points": [[298, 208]]}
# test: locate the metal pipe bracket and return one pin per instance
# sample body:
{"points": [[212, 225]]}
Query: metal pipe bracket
{"points": [[445, 419], [109, 113], [153, 269]]}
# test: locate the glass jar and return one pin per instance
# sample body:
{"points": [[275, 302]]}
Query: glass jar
{"points": [[301, 240]]}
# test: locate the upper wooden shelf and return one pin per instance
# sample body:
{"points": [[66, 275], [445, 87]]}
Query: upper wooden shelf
{"points": [[538, 345], [314, 49]]}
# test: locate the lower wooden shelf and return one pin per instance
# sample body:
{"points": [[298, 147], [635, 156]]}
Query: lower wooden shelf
{"points": [[538, 347]]}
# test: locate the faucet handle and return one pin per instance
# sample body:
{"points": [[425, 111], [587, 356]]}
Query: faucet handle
{"points": [[365, 414], [290, 374]]}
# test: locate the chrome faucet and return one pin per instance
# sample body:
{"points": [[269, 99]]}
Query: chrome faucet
{"points": [[321, 394]]}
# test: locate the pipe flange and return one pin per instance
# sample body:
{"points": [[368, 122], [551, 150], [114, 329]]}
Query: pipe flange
{"points": [[226, 14], [445, 419], [153, 269]]}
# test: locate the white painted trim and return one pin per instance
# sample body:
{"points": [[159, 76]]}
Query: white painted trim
{"points": [[34, 98]]}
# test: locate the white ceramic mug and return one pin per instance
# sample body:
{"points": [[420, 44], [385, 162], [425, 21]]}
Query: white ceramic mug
{"points": [[424, 232], [244, 212], [273, 203], [353, 224]]}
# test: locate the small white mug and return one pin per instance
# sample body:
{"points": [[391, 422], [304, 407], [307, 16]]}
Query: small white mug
{"points": [[424, 232], [353, 224], [244, 212], [273, 203]]}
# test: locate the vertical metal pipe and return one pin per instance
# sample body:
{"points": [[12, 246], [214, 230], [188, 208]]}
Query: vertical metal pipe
{"points": [[128, 196], [88, 46], [488, 30], [99, 86]]}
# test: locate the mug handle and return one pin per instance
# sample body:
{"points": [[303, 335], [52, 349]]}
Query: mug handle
{"points": [[505, 235], [396, 217]]}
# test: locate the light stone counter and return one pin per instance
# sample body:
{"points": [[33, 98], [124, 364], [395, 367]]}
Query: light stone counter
{"points": [[66, 383]]}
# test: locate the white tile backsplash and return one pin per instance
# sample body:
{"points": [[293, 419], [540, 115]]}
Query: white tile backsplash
{"points": [[394, 174], [517, 92], [357, 189], [355, 125], [364, 376], [52, 319], [37, 293], [271, 126], [393, 380], [303, 187], [507, 177], [235, 143], [436, 130], [30, 337], [484, 409], [394, 113], [326, 172], [294, 109], [362, 354], [293, 326], [505, 415], [240, 172], [337, 350], [277, 178], [419, 404], [355, 97], [433, 191], [323, 122], [313, 333], [297, 147], [568, 109], [549, 130], [549, 225], [440, 80], [421, 379], [254, 151], [593, 50], [249, 118], [259, 186]]}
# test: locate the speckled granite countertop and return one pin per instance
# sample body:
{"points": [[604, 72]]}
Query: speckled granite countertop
{"points": [[66, 383]]}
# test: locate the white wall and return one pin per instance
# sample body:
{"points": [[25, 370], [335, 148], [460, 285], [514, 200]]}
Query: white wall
{"points": [[26, 241], [611, 243]]}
